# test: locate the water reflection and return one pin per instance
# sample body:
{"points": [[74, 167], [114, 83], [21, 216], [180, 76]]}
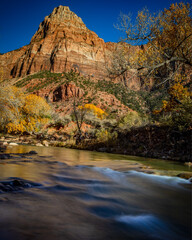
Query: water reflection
{"points": [[85, 196], [114, 161]]}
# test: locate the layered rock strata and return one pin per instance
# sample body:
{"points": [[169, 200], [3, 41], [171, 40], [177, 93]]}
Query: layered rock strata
{"points": [[62, 42]]}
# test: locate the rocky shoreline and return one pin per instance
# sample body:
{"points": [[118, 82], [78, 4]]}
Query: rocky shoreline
{"points": [[32, 140], [150, 142]]}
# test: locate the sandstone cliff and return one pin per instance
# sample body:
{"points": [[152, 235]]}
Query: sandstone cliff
{"points": [[63, 42]]}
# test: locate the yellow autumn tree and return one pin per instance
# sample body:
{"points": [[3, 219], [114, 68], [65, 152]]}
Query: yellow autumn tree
{"points": [[164, 44], [177, 110], [94, 109], [178, 95], [162, 53], [22, 113], [80, 111], [11, 101]]}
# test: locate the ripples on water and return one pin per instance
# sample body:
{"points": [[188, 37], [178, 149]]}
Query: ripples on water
{"points": [[87, 202]]}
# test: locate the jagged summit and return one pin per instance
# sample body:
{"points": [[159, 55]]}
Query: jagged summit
{"points": [[62, 14], [60, 19]]}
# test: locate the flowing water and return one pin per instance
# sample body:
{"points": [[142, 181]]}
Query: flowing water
{"points": [[81, 195]]}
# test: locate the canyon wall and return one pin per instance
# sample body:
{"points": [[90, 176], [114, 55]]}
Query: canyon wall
{"points": [[61, 43]]}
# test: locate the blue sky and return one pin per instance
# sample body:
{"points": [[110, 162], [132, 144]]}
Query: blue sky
{"points": [[19, 20]]}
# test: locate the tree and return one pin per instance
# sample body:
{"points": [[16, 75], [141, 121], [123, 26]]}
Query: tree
{"points": [[178, 94], [79, 115], [11, 100], [20, 112], [80, 111], [164, 44], [95, 110], [177, 110]]}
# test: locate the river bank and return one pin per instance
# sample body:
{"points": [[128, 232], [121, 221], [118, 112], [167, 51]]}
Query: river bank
{"points": [[149, 141], [141, 164]]}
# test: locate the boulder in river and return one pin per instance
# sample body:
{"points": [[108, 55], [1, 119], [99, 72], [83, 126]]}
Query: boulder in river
{"points": [[16, 184], [13, 144], [5, 156], [32, 152]]}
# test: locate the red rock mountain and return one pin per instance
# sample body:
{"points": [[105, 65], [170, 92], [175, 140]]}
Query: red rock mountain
{"points": [[62, 42]]}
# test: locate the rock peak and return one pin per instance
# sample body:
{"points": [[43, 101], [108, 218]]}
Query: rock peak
{"points": [[63, 14], [60, 11], [62, 19], [62, 8], [61, 44]]}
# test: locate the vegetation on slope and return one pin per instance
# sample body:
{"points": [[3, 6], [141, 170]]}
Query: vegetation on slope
{"points": [[140, 101]]}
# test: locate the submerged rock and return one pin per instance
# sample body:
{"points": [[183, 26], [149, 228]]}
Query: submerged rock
{"points": [[5, 156], [32, 152], [16, 184]]}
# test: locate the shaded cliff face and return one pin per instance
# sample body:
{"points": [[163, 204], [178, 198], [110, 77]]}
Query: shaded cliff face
{"points": [[62, 43]]}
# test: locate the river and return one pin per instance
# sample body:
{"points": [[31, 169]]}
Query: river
{"points": [[82, 195]]}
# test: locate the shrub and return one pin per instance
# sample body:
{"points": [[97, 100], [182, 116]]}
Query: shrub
{"points": [[103, 135], [93, 120], [109, 123], [59, 122], [132, 119]]}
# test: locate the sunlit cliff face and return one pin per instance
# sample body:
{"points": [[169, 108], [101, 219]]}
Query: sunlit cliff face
{"points": [[61, 43]]}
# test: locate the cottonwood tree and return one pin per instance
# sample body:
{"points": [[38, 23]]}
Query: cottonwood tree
{"points": [[79, 116], [11, 99], [164, 45], [20, 112], [79, 112]]}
